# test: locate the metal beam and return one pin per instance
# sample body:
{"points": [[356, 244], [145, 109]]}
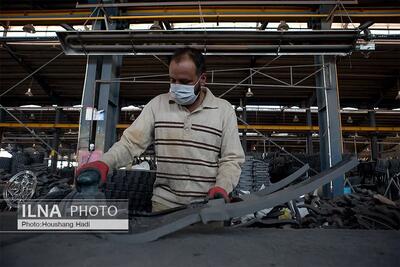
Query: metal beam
{"points": [[99, 99], [309, 144], [282, 128], [374, 137], [263, 25], [215, 3], [330, 133], [244, 130], [108, 103], [329, 122], [191, 14], [156, 225], [338, 42], [68, 27], [56, 141], [38, 79]]}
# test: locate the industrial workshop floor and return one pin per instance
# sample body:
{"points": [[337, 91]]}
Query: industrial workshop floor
{"points": [[211, 247]]}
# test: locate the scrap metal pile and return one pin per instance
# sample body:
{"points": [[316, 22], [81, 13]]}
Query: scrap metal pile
{"points": [[381, 176], [361, 210], [27, 176], [155, 225], [32, 185]]}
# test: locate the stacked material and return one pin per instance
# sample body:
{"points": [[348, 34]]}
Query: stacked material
{"points": [[134, 185], [49, 183], [254, 176]]}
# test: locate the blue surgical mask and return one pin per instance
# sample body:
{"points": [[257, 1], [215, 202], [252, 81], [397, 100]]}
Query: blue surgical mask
{"points": [[183, 94]]}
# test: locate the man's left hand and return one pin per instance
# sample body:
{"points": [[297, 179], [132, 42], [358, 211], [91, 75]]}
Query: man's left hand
{"points": [[218, 192]]}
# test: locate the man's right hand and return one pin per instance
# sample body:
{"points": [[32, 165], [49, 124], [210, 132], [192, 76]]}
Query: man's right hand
{"points": [[90, 176]]}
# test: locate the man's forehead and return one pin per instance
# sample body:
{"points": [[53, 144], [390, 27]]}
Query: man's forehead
{"points": [[182, 67]]}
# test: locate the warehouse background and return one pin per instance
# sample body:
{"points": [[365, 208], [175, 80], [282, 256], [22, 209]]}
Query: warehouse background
{"points": [[311, 82], [48, 96]]}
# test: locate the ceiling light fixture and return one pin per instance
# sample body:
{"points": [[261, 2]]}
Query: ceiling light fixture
{"points": [[29, 91], [283, 26], [29, 28], [349, 120], [249, 93], [156, 26]]}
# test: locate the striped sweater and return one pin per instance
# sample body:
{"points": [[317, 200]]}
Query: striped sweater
{"points": [[194, 150]]}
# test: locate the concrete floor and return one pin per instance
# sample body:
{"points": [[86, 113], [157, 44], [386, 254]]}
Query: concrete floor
{"points": [[211, 247]]}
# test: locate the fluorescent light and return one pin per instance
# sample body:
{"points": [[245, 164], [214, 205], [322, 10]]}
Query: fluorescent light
{"points": [[349, 109]]}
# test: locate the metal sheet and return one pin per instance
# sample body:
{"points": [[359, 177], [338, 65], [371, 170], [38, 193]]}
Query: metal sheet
{"points": [[147, 229], [334, 42]]}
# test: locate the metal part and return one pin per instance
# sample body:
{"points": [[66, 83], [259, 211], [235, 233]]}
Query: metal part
{"points": [[32, 74], [329, 121], [374, 137], [278, 185], [108, 104], [334, 42], [362, 209], [285, 128], [19, 188], [151, 228], [309, 143], [35, 75], [24, 125], [214, 3], [99, 98]]}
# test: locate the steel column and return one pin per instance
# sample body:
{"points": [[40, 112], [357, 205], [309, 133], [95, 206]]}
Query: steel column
{"points": [[99, 129], [108, 104], [56, 142], [86, 135], [374, 137], [244, 136], [331, 145], [309, 147], [2, 119]]}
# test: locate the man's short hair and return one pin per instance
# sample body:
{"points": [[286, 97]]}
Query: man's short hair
{"points": [[195, 55]]}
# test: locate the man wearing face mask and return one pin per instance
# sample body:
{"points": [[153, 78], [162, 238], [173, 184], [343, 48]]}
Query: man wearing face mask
{"points": [[195, 135]]}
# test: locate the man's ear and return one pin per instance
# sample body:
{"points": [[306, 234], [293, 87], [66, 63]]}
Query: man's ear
{"points": [[203, 79]]}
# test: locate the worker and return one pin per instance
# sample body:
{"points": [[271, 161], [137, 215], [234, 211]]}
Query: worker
{"points": [[195, 135]]}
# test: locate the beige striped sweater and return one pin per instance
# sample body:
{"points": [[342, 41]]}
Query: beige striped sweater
{"points": [[194, 150]]}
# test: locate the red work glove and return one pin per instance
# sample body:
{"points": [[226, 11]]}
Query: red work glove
{"points": [[98, 166], [218, 192]]}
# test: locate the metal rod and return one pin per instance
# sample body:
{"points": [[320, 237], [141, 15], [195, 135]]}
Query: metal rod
{"points": [[271, 77], [226, 70], [216, 84], [275, 144], [30, 75], [217, 3], [308, 76], [27, 128], [285, 128], [242, 81]]}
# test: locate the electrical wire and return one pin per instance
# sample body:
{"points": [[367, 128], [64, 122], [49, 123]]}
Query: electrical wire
{"points": [[252, 74], [275, 144], [29, 129], [33, 73]]}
